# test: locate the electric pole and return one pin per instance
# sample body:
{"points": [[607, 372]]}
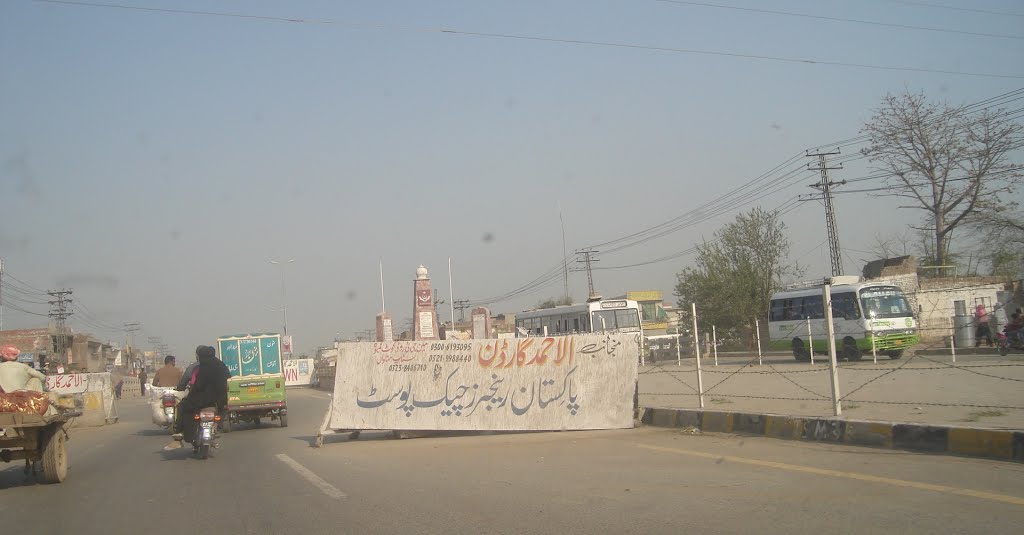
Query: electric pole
{"points": [[587, 260], [1, 294], [60, 313], [461, 305], [129, 329], [826, 195], [439, 302]]}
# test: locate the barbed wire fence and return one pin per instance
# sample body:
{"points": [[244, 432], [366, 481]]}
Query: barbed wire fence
{"points": [[927, 370]]}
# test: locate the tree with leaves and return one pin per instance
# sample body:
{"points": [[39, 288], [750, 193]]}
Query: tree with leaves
{"points": [[950, 162], [735, 274]]}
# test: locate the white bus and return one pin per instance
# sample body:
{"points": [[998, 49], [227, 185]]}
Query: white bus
{"points": [[601, 316], [862, 313]]}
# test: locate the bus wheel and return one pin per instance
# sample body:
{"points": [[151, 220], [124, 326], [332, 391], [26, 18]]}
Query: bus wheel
{"points": [[799, 351], [850, 350], [894, 355]]}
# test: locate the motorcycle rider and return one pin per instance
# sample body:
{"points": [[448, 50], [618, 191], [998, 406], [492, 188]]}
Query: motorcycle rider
{"points": [[1015, 329], [169, 375], [209, 388]]}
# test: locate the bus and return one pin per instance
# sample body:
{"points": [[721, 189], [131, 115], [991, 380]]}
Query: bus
{"points": [[865, 316], [598, 316]]}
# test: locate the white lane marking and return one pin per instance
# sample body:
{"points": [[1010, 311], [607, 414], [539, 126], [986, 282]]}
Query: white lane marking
{"points": [[316, 480]]}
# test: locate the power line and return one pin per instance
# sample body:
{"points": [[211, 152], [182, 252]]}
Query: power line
{"points": [[519, 37], [739, 196], [964, 9], [840, 19]]}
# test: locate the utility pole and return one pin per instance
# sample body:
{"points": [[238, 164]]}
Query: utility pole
{"points": [[59, 312], [587, 260], [461, 305], [129, 329], [826, 195], [438, 302], [1, 294], [565, 257]]}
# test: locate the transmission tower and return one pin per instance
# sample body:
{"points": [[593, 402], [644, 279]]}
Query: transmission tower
{"points": [[587, 261], [825, 186], [60, 313]]}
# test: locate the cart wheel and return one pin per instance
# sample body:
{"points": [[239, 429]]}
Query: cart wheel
{"points": [[55, 458], [284, 420]]}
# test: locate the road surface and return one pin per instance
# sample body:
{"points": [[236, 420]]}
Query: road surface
{"points": [[648, 480]]}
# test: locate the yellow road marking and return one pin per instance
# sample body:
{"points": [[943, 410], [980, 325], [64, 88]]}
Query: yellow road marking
{"points": [[846, 475]]}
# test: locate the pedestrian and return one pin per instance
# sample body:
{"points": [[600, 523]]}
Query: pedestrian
{"points": [[982, 329], [118, 381], [142, 382]]}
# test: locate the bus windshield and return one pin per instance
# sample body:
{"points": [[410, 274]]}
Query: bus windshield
{"points": [[617, 320], [885, 302]]}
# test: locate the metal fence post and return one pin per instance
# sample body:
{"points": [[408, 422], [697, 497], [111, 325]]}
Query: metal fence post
{"points": [[874, 352], [952, 340], [826, 297], [679, 344], [810, 339], [714, 342], [696, 349], [757, 327]]}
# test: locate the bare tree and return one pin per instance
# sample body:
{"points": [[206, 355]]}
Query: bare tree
{"points": [[950, 162], [1000, 241], [891, 246]]}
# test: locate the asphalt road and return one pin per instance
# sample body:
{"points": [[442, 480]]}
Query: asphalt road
{"points": [[647, 480]]}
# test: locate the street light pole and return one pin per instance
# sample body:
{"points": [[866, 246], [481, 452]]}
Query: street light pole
{"points": [[284, 291]]}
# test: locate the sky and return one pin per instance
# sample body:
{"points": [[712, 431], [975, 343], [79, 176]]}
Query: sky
{"points": [[155, 160]]}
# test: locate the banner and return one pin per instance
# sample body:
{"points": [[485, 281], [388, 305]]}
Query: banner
{"points": [[567, 382], [298, 372]]}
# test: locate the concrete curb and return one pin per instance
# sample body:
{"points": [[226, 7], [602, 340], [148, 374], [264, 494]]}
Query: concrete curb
{"points": [[999, 444]]}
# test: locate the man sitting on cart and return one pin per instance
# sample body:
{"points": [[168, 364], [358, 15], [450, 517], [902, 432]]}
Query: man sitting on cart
{"points": [[16, 375]]}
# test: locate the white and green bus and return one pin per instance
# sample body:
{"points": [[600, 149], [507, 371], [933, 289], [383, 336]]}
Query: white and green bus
{"points": [[864, 315]]}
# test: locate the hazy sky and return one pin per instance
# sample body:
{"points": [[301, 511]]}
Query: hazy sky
{"points": [[156, 161]]}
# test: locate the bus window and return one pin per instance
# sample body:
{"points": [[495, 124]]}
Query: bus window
{"points": [[791, 309], [627, 319], [812, 307], [604, 320], [776, 311], [844, 306], [575, 325], [885, 303]]}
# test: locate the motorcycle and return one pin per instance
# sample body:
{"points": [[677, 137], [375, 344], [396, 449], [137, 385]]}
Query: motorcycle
{"points": [[207, 420], [164, 404], [1005, 344]]}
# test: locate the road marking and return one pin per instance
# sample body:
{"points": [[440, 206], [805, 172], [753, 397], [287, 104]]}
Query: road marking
{"points": [[846, 475], [316, 480]]}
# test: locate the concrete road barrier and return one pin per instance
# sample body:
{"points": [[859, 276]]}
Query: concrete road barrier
{"points": [[969, 441]]}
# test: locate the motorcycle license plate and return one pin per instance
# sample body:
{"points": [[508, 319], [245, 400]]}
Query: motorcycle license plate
{"points": [[252, 390], [206, 432]]}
